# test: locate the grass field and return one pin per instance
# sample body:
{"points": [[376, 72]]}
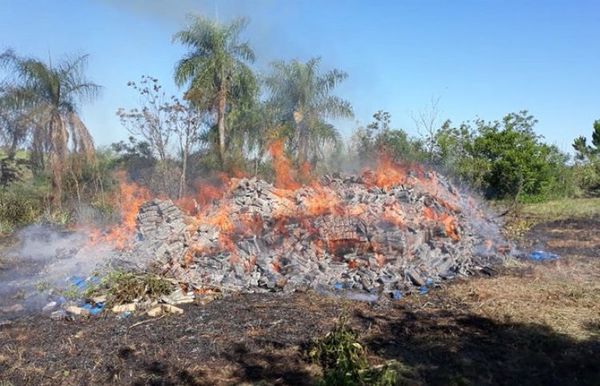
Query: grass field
{"points": [[568, 208]]}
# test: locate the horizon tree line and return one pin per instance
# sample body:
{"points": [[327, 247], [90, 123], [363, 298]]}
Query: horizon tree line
{"points": [[228, 114]]}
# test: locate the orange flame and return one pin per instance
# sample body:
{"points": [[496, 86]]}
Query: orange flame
{"points": [[323, 201], [387, 173], [131, 197], [447, 220], [284, 178]]}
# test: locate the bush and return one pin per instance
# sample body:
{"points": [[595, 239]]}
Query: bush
{"points": [[125, 287], [21, 204], [587, 178], [344, 360], [505, 159]]}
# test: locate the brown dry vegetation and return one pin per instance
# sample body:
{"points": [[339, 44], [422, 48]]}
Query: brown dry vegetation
{"points": [[530, 324]]}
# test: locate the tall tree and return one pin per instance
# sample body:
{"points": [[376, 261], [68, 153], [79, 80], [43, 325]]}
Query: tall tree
{"points": [[583, 151], [517, 161], [151, 121], [588, 165], [427, 123], [50, 95], [156, 122], [216, 68], [302, 96]]}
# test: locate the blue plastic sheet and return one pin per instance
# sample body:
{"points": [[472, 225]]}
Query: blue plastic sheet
{"points": [[82, 283], [93, 309], [424, 289], [396, 294], [542, 256], [78, 282]]}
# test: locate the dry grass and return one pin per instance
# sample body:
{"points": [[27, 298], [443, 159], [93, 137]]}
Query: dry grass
{"points": [[524, 217], [567, 208], [564, 295], [557, 296]]}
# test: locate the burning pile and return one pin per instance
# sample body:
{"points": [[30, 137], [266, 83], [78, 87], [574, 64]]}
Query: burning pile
{"points": [[384, 231]]}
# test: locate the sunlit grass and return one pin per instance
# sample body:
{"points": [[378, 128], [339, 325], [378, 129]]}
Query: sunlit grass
{"points": [[563, 209]]}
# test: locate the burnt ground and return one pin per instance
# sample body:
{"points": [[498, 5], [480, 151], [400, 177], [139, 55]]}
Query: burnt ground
{"points": [[533, 323]]}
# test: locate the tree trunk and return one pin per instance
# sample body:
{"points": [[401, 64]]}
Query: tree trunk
{"points": [[184, 156], [58, 154], [302, 137], [38, 148], [12, 150], [221, 125]]}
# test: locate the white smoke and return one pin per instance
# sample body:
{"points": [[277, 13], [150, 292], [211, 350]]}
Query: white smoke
{"points": [[42, 261]]}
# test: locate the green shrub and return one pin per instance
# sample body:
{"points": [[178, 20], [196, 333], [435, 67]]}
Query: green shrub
{"points": [[125, 287], [21, 204], [344, 361]]}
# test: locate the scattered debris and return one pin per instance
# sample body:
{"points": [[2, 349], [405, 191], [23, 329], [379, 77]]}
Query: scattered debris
{"points": [[169, 309], [59, 315], [154, 312], [178, 297], [74, 310], [50, 306], [124, 315], [99, 299], [93, 309], [542, 256], [12, 309], [121, 308], [164, 309]]}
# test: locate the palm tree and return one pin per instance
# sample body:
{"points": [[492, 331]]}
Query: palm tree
{"points": [[303, 98], [215, 68], [50, 96]]}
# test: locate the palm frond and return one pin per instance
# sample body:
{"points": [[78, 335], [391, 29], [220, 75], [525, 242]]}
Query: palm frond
{"points": [[83, 143]]}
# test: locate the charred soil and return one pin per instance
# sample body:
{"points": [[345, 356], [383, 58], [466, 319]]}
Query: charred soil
{"points": [[530, 324]]}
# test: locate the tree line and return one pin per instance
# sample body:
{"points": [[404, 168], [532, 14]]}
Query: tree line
{"points": [[228, 114]]}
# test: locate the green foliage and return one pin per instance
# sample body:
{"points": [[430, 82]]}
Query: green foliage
{"points": [[216, 69], [125, 287], [60, 216], [216, 59], [344, 360], [22, 203], [378, 138], [587, 169], [90, 180], [88, 187], [45, 99], [566, 208], [12, 169], [504, 159], [71, 292], [454, 153], [587, 178], [300, 100], [134, 156]]}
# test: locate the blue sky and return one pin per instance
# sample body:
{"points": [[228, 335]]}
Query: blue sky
{"points": [[480, 58]]}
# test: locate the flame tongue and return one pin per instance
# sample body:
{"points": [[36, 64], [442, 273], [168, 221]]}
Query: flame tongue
{"points": [[130, 198], [367, 230]]}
